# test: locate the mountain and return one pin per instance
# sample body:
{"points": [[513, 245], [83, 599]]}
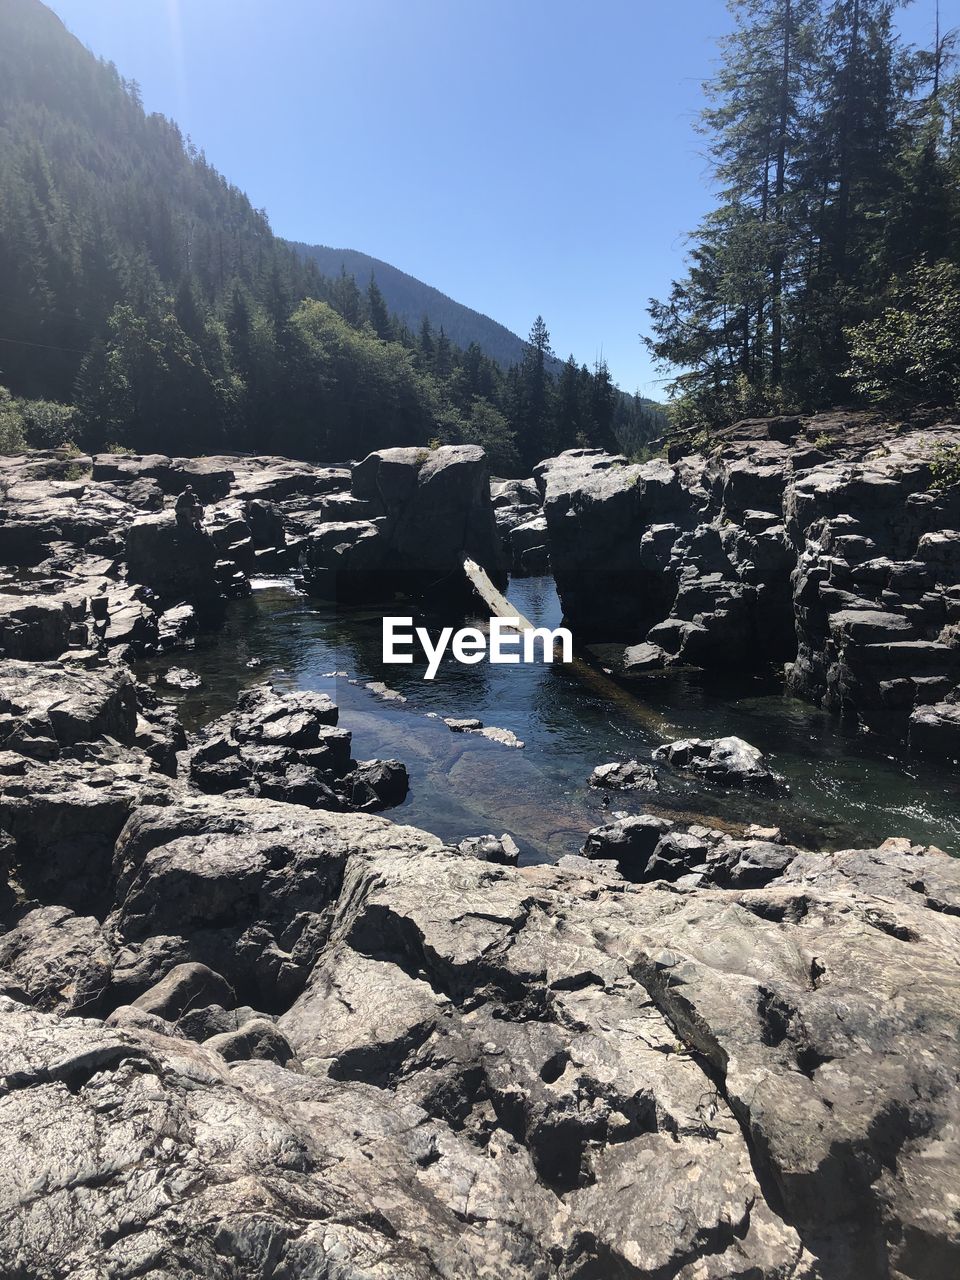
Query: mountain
{"points": [[145, 304], [411, 300], [102, 203]]}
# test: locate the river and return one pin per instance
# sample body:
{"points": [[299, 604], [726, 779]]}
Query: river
{"points": [[843, 790]]}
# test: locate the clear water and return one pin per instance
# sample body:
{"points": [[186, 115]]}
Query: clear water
{"points": [[843, 790]]}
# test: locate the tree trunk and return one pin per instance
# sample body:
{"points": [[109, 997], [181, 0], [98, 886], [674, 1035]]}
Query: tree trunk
{"points": [[776, 302]]}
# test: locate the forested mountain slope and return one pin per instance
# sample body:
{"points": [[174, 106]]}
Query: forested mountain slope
{"points": [[410, 300], [147, 304], [102, 203]]}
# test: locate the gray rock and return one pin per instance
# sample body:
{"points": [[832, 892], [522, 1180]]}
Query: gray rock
{"points": [[935, 731], [258, 1038], [55, 960], [185, 987], [433, 508], [730, 761], [627, 775], [502, 849], [177, 562]]}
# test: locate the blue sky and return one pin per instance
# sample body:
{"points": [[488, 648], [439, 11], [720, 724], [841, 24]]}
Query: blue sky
{"points": [[523, 156]]}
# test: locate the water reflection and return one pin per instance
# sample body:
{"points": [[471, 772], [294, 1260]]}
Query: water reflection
{"points": [[842, 791]]}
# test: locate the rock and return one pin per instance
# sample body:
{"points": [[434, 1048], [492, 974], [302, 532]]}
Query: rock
{"points": [[377, 784], [55, 960], [286, 747], [597, 508], [502, 849], [627, 775], [185, 987], [639, 659], [258, 1038], [629, 842], [243, 886], [935, 731], [37, 627], [46, 708], [177, 562], [841, 563], [181, 678], [433, 509], [383, 691], [529, 547], [505, 737], [64, 817], [729, 761], [470, 1046], [346, 560]]}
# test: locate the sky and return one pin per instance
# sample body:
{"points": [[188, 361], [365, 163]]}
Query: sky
{"points": [[523, 156]]}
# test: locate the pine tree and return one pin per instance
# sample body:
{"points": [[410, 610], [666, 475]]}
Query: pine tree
{"points": [[834, 169], [377, 312]]}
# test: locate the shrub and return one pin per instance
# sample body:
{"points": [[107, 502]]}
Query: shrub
{"points": [[12, 439], [46, 424], [910, 354], [945, 465]]}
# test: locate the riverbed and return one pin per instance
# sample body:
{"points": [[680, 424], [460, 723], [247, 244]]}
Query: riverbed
{"points": [[843, 790]]}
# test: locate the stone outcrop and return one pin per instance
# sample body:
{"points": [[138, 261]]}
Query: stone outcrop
{"points": [[423, 511], [331, 1043], [518, 509], [826, 543], [624, 775], [287, 747], [92, 558], [245, 1031], [248, 1035]]}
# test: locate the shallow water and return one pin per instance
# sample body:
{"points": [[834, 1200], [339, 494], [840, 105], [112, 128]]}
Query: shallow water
{"points": [[843, 790]]}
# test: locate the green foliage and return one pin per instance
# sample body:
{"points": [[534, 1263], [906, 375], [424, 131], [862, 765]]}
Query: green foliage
{"points": [[12, 438], [911, 352], [143, 289], [649, 452], [945, 466], [34, 424], [349, 389], [487, 427], [48, 425], [836, 155], [823, 441]]}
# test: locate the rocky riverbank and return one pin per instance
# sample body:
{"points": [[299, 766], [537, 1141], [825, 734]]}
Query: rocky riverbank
{"points": [[305, 1041], [830, 544], [249, 1027]]}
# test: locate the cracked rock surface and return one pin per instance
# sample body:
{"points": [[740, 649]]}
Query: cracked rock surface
{"points": [[446, 1066]]}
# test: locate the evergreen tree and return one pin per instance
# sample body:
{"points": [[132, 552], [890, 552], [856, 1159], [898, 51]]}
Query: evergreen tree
{"points": [[377, 313], [835, 153], [536, 436]]}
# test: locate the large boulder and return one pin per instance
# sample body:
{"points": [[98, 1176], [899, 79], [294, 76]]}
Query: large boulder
{"points": [[243, 886], [431, 508], [176, 561], [38, 627]]}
